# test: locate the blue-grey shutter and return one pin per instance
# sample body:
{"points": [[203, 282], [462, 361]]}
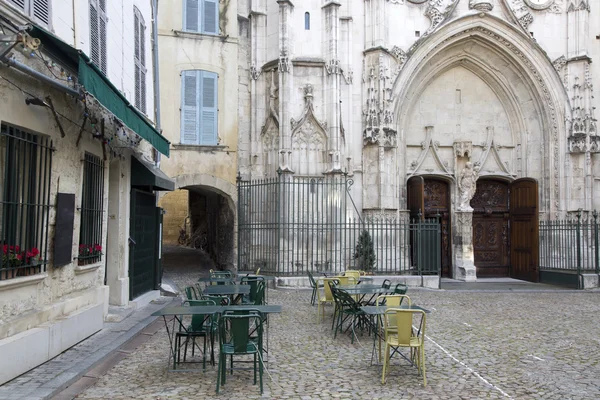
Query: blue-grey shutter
{"points": [[210, 16], [190, 83], [191, 12], [208, 133]]}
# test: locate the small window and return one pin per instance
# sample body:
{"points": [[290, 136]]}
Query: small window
{"points": [[307, 21], [199, 113], [25, 163], [139, 31], [39, 10], [201, 16], [98, 24], [92, 199]]}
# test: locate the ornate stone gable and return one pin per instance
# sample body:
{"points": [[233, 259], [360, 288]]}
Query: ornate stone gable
{"points": [[491, 159], [429, 149]]}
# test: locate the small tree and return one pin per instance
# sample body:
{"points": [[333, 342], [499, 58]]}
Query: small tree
{"points": [[364, 252]]}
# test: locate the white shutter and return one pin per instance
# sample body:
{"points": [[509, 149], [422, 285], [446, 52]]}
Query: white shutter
{"points": [[208, 134], [19, 3], [94, 39], [191, 15], [190, 83], [136, 34], [210, 17], [143, 90], [41, 10], [102, 36]]}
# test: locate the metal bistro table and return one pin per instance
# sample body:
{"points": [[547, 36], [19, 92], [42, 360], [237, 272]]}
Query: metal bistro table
{"points": [[179, 312], [365, 289], [378, 312], [235, 292]]}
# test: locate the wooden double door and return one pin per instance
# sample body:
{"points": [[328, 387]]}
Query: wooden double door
{"points": [[505, 224]]}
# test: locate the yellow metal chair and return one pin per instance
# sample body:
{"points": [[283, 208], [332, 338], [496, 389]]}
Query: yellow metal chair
{"points": [[389, 300], [324, 295], [346, 280], [353, 273], [405, 336]]}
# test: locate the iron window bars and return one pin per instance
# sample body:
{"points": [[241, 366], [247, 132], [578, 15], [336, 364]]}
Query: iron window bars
{"points": [[90, 231], [25, 167]]}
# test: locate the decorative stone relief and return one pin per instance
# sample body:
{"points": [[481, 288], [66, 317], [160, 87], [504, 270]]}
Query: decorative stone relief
{"points": [[379, 117], [437, 11], [491, 149], [463, 149], [583, 124], [429, 146], [481, 5], [348, 75], [525, 20], [539, 4], [467, 186], [254, 72], [284, 64], [559, 65], [400, 55], [333, 67], [575, 5]]}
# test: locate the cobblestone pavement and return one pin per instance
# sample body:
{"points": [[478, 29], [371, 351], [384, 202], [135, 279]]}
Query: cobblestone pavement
{"points": [[480, 345]]}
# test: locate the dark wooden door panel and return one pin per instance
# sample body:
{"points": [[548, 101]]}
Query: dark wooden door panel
{"points": [[524, 230], [490, 228], [143, 249], [415, 197], [436, 201]]}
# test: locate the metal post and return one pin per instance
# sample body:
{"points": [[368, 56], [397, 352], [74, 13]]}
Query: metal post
{"points": [[596, 252]]}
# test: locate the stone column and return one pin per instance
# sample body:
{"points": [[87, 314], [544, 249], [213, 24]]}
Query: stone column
{"points": [[333, 69], [462, 247], [286, 83]]}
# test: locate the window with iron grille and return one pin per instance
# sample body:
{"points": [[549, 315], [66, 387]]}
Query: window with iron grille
{"points": [[92, 199], [139, 31], [25, 165], [98, 23], [199, 107], [38, 10], [201, 16]]}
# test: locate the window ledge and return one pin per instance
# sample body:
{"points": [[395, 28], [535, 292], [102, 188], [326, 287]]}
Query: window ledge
{"points": [[224, 38], [82, 269], [22, 281], [197, 147]]}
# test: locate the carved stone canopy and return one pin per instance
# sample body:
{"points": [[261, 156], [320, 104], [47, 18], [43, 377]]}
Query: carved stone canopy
{"points": [[481, 5], [463, 149]]}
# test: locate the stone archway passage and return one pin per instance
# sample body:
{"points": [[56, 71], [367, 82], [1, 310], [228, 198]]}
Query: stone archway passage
{"points": [[491, 237]]}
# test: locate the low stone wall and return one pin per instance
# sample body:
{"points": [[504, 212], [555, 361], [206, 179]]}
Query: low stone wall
{"points": [[430, 282]]}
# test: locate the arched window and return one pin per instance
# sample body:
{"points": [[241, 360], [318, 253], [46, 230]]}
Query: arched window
{"points": [[307, 21]]}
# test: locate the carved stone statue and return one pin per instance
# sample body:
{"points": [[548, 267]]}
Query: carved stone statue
{"points": [[467, 184]]}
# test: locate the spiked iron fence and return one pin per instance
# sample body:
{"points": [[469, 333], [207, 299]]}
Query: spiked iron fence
{"points": [[288, 225], [570, 246]]}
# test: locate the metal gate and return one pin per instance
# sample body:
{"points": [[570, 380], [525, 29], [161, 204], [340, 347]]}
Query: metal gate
{"points": [[143, 241], [289, 224]]}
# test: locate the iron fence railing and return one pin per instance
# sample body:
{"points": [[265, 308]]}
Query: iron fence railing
{"points": [[289, 225], [570, 244], [25, 166]]}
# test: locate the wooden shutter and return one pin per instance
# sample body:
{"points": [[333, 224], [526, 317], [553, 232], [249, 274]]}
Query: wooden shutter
{"points": [[208, 134], [190, 15], [41, 10], [94, 40], [210, 17], [189, 107], [139, 60], [98, 33]]}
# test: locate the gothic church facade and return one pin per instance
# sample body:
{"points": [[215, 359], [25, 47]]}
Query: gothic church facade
{"points": [[464, 96]]}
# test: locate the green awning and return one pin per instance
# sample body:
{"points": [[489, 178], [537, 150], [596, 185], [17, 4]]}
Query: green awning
{"points": [[146, 175], [99, 86]]}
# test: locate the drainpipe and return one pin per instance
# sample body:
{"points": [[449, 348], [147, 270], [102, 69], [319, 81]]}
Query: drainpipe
{"points": [[11, 62], [157, 154]]}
